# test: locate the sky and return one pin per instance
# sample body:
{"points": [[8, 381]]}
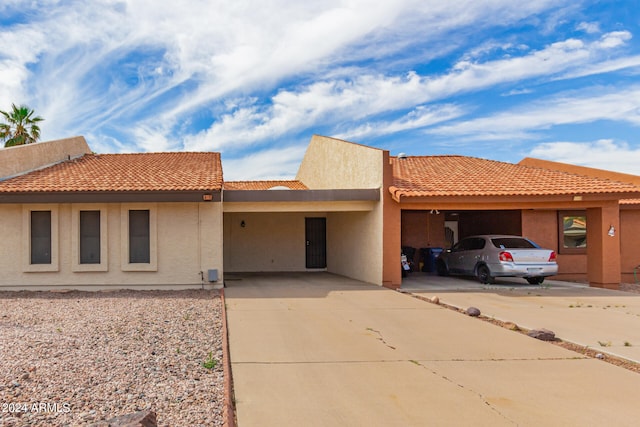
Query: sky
{"points": [[255, 80]]}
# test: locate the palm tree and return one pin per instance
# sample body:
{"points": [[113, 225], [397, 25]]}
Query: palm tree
{"points": [[20, 127]]}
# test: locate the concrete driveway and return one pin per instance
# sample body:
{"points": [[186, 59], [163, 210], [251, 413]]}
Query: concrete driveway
{"points": [[602, 319], [317, 349]]}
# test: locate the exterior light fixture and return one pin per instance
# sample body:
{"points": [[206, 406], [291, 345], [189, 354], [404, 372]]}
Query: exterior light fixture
{"points": [[243, 224], [612, 231]]}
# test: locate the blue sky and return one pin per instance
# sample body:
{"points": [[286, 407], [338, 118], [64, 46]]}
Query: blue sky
{"points": [[497, 79]]}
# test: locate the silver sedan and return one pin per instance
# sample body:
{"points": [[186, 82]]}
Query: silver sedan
{"points": [[491, 256]]}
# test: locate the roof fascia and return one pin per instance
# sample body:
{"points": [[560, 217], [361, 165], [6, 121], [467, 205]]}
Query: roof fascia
{"points": [[366, 194], [112, 197]]}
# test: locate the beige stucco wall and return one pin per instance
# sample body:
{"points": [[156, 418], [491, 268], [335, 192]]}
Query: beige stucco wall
{"points": [[273, 241], [24, 158], [352, 247], [331, 163], [189, 240], [355, 239]]}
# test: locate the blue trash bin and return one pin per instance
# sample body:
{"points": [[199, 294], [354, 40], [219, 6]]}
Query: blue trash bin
{"points": [[429, 257]]}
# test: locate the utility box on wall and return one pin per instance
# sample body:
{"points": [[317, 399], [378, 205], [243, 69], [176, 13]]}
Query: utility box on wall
{"points": [[213, 275]]}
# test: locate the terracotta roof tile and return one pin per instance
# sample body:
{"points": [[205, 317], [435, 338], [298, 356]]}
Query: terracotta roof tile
{"points": [[180, 171], [420, 176], [630, 202], [263, 185]]}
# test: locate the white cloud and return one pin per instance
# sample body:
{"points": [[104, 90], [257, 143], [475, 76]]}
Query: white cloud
{"points": [[618, 105], [367, 95], [514, 92], [420, 117], [80, 62], [601, 154], [274, 163], [588, 27]]}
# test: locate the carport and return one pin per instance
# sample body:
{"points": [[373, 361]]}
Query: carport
{"points": [[285, 227], [480, 196], [425, 232]]}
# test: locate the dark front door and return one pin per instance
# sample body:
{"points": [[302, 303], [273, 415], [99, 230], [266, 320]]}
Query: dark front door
{"points": [[316, 236]]}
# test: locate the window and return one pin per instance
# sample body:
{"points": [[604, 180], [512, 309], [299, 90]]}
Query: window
{"points": [[139, 237], [572, 227], [40, 237], [512, 243], [89, 237]]}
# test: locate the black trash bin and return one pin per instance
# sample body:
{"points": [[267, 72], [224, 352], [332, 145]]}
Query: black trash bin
{"points": [[429, 257]]}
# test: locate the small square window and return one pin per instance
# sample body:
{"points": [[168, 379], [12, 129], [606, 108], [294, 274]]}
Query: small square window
{"points": [[572, 227]]}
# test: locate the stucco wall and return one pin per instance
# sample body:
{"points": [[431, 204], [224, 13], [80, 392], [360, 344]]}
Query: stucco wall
{"points": [[541, 226], [24, 158], [630, 243], [272, 241], [349, 245], [335, 164], [331, 163], [189, 240]]}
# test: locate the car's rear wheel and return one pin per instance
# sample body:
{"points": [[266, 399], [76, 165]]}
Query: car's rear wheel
{"points": [[441, 268], [535, 280], [484, 274]]}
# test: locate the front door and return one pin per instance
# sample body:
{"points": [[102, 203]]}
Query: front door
{"points": [[316, 237]]}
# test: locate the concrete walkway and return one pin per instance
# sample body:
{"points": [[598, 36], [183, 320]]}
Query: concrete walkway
{"points": [[320, 350]]}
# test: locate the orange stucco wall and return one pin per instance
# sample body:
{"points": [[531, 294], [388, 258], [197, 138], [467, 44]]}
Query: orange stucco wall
{"points": [[541, 226], [630, 243], [603, 250], [422, 229]]}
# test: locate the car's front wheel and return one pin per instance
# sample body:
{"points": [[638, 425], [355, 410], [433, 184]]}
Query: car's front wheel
{"points": [[441, 268], [484, 274], [535, 280]]}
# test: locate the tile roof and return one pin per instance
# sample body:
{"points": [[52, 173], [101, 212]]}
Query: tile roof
{"points": [[630, 202], [263, 185], [419, 176], [180, 171]]}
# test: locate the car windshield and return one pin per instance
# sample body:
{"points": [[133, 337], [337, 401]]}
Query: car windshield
{"points": [[512, 243]]}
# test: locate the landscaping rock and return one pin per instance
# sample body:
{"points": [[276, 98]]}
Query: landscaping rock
{"points": [[473, 312], [137, 419], [435, 300], [542, 334], [511, 326]]}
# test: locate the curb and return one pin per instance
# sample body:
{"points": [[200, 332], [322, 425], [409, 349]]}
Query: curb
{"points": [[229, 410]]}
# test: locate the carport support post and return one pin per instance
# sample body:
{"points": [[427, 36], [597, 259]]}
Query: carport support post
{"points": [[603, 250]]}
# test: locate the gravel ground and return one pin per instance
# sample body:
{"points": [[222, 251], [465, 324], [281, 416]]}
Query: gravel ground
{"points": [[75, 358]]}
